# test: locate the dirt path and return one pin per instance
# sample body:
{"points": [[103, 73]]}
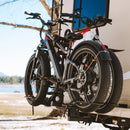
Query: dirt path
{"points": [[34, 123]]}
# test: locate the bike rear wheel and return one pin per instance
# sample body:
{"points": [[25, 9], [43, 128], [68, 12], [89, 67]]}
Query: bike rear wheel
{"points": [[116, 85], [90, 89], [36, 86]]}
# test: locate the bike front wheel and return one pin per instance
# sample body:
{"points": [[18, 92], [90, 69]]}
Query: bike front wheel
{"points": [[90, 89], [35, 85]]}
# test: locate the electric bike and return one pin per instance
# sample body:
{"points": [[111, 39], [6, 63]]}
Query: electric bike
{"points": [[116, 74]]}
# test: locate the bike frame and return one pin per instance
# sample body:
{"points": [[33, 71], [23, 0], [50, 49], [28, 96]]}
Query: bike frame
{"points": [[61, 75]]}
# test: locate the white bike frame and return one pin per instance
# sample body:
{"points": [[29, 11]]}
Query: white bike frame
{"points": [[87, 35]]}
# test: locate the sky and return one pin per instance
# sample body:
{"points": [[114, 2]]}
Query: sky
{"points": [[18, 44]]}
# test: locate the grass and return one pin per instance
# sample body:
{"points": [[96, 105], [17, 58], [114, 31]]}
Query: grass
{"points": [[15, 104]]}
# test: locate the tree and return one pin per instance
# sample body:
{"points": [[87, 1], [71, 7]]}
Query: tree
{"points": [[47, 7], [12, 80]]}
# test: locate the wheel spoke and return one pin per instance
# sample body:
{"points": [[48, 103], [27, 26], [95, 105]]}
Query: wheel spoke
{"points": [[35, 81], [86, 98], [92, 67], [90, 63], [84, 58], [39, 76], [96, 80]]}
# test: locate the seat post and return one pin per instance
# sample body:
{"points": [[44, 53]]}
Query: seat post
{"points": [[70, 45]]}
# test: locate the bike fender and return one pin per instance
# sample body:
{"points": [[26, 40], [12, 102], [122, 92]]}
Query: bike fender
{"points": [[115, 50], [103, 53]]}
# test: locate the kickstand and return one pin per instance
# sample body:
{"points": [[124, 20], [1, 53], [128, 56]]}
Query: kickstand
{"points": [[33, 100], [33, 106], [65, 111], [32, 109]]}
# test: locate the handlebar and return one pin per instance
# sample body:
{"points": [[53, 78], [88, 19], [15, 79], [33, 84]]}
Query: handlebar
{"points": [[29, 13], [35, 15], [66, 20], [89, 22], [49, 23], [67, 15]]}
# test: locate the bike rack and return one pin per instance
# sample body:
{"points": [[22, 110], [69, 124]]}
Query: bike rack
{"points": [[111, 122]]}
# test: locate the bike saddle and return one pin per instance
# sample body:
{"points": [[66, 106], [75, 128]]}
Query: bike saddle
{"points": [[57, 38], [73, 36]]}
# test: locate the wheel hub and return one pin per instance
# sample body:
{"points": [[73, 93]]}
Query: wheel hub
{"points": [[90, 76], [81, 79], [84, 78]]}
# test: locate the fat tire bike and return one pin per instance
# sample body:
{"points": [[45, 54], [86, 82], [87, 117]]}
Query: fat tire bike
{"points": [[116, 74]]}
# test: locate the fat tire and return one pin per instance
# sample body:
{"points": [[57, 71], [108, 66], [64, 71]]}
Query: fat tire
{"points": [[45, 71], [117, 85], [104, 82]]}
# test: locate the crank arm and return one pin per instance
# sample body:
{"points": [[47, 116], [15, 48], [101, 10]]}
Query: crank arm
{"points": [[75, 89]]}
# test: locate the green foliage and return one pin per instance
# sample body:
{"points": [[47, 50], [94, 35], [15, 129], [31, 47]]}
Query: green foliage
{"points": [[11, 80]]}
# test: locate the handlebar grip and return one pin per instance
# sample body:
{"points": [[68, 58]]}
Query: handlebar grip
{"points": [[67, 15], [69, 21], [78, 9], [28, 13], [109, 20], [33, 14]]}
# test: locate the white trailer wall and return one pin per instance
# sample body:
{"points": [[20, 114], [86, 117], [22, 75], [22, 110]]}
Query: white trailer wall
{"points": [[118, 36]]}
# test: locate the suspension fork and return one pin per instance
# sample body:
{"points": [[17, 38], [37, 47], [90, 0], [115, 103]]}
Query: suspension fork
{"points": [[34, 62]]}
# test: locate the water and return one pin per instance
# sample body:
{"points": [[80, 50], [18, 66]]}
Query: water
{"points": [[9, 89]]}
